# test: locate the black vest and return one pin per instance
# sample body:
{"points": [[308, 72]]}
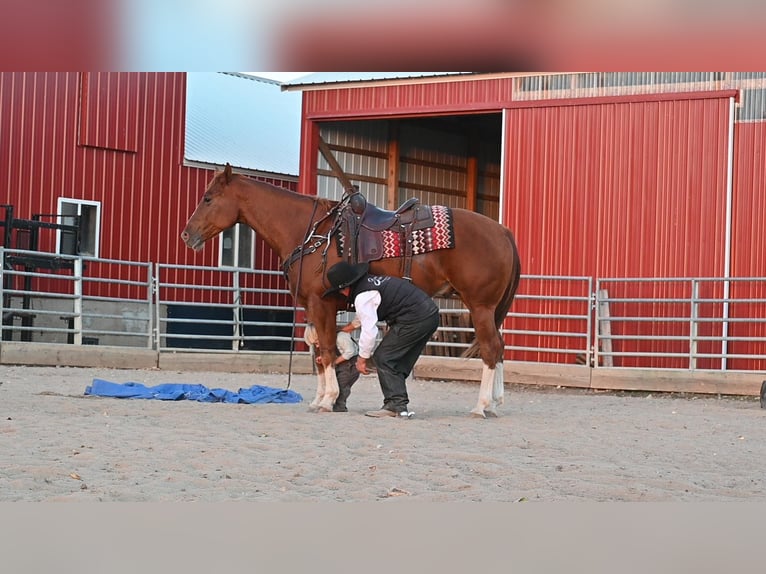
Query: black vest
{"points": [[400, 300]]}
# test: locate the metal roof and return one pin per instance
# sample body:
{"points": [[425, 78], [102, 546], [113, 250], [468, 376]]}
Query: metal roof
{"points": [[243, 120], [321, 78]]}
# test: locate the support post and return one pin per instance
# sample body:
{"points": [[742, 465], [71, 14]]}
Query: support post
{"points": [[77, 319], [605, 327]]}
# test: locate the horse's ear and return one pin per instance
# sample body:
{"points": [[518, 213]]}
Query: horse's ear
{"points": [[227, 172]]}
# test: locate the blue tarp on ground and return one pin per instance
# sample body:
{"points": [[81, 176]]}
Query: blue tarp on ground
{"points": [[181, 391]]}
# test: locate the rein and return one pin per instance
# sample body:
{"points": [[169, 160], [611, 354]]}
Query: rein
{"points": [[309, 233], [299, 252], [297, 255]]}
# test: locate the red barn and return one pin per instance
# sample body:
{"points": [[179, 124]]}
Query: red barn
{"points": [[636, 194], [635, 199], [109, 148]]}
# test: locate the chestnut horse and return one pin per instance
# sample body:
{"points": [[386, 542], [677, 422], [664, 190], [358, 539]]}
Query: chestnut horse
{"points": [[483, 267]]}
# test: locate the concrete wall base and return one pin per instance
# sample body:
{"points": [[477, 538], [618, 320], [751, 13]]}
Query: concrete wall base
{"points": [[427, 367]]}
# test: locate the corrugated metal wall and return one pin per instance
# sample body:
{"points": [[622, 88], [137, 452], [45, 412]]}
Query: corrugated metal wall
{"points": [[116, 138], [749, 241], [622, 189], [614, 174], [449, 95]]}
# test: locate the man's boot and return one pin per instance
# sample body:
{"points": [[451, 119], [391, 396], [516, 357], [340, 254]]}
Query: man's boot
{"points": [[340, 402]]}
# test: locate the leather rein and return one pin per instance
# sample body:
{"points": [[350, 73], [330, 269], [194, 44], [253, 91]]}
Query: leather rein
{"points": [[306, 248]]}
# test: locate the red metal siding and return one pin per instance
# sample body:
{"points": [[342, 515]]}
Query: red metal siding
{"points": [[749, 202], [618, 190], [108, 106], [749, 242], [438, 97], [146, 195]]}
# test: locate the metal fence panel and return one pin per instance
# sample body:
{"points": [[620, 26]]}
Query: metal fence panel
{"points": [[670, 323]]}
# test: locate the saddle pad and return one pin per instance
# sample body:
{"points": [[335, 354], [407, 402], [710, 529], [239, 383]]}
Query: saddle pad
{"points": [[440, 236]]}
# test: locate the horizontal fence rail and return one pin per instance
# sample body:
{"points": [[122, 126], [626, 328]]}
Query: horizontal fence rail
{"points": [[669, 323], [77, 300], [682, 323], [549, 321], [246, 314]]}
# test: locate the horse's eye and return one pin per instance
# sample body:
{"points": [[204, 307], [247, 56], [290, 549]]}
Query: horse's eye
{"points": [[207, 199]]}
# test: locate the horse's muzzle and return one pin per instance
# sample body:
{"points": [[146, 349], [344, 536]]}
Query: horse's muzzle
{"points": [[192, 241]]}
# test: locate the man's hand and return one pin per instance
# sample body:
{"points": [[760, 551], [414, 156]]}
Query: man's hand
{"points": [[348, 328], [361, 365]]}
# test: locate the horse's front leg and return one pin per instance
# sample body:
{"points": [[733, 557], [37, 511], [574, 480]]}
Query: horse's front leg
{"points": [[331, 388], [323, 317], [327, 390], [331, 391], [321, 384]]}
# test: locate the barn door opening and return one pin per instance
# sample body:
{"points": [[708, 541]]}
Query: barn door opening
{"points": [[450, 160], [447, 160]]}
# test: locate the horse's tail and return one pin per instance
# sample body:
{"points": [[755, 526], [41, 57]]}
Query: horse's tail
{"points": [[505, 303]]}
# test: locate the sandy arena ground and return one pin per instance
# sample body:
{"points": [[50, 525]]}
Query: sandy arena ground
{"points": [[57, 444]]}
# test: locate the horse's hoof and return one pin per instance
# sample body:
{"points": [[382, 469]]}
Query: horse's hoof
{"points": [[477, 414], [313, 408], [491, 414], [324, 410]]}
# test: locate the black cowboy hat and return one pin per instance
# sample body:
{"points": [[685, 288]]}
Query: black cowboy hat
{"points": [[343, 274]]}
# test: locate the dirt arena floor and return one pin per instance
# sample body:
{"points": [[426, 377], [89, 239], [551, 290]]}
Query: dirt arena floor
{"points": [[548, 444]]}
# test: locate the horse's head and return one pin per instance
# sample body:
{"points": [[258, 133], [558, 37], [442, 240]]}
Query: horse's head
{"points": [[217, 210]]}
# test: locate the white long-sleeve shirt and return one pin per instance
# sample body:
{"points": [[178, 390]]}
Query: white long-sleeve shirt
{"points": [[366, 306]]}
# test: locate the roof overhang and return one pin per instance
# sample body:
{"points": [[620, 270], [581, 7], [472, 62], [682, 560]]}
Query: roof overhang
{"points": [[404, 80]]}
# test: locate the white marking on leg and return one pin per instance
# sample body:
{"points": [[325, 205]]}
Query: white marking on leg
{"points": [[498, 389], [497, 392], [314, 406], [331, 389], [485, 392]]}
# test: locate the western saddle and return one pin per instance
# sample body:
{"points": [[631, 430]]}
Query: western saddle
{"points": [[363, 226]]}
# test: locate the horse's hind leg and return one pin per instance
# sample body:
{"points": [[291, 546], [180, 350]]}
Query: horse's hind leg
{"points": [[485, 405], [491, 350], [498, 389]]}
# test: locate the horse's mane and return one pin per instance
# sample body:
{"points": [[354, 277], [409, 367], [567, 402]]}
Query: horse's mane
{"points": [[322, 203], [325, 204]]}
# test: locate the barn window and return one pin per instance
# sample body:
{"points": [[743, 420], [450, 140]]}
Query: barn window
{"points": [[237, 247], [88, 214], [752, 106]]}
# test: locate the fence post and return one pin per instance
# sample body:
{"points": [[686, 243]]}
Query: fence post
{"points": [[604, 326], [157, 307], [2, 294], [694, 325], [77, 319], [150, 288], [236, 340]]}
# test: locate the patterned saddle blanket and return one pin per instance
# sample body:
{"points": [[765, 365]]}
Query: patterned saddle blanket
{"points": [[413, 229]]}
